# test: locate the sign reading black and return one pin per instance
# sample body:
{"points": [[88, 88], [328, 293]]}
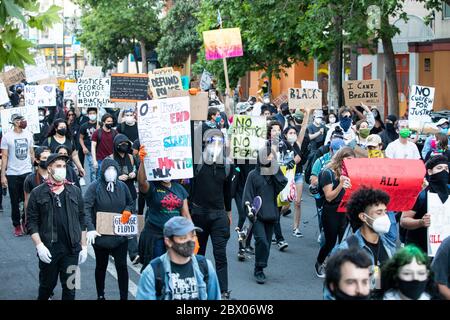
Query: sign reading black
{"points": [[127, 87]]}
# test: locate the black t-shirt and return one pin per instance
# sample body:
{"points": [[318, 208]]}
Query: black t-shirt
{"points": [[62, 222], [327, 177], [419, 235], [379, 252], [184, 283], [130, 131], [87, 130], [318, 141], [55, 144], [31, 182]]}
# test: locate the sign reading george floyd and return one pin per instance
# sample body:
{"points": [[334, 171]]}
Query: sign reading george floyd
{"points": [[248, 136], [163, 80], [365, 91], [93, 92], [305, 98], [400, 179], [420, 106], [127, 87]]}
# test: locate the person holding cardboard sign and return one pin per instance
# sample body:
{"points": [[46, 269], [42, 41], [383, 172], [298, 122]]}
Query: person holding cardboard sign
{"points": [[108, 194]]}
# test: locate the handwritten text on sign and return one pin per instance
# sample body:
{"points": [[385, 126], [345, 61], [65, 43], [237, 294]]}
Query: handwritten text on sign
{"points": [[93, 92], [401, 179], [163, 80], [38, 71], [248, 136], [165, 131], [40, 95], [365, 91], [125, 229], [12, 76], [30, 114], [439, 228], [127, 87], [420, 105], [305, 98]]}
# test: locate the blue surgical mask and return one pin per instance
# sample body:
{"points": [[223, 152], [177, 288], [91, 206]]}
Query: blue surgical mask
{"points": [[444, 131], [218, 119]]}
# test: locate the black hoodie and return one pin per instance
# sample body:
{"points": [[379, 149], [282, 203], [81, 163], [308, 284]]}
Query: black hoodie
{"points": [[126, 164]]}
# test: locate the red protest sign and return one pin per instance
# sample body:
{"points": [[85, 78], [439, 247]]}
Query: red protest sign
{"points": [[400, 179]]}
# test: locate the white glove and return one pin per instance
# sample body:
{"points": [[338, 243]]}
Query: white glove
{"points": [[43, 253], [83, 255], [91, 235]]}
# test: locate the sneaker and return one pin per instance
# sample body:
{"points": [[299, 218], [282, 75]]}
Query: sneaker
{"points": [[136, 260], [297, 233], [241, 255], [320, 270], [18, 231], [226, 295], [260, 277], [250, 250], [274, 241], [286, 213], [282, 245], [82, 181]]}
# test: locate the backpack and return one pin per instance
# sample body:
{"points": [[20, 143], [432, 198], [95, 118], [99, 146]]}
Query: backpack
{"points": [[100, 132], [159, 272]]}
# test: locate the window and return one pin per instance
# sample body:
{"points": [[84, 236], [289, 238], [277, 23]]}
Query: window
{"points": [[446, 11], [427, 64]]}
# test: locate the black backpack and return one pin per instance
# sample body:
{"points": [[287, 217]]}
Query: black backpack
{"points": [[100, 132], [159, 272]]}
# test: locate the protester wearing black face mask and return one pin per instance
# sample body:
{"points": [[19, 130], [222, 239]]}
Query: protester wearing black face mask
{"points": [[390, 133], [348, 275], [417, 220]]}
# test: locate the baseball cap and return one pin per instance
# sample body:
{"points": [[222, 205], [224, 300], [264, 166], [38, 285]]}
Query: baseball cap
{"points": [[336, 144], [17, 116], [298, 115], [373, 140], [179, 226], [442, 121], [55, 156]]}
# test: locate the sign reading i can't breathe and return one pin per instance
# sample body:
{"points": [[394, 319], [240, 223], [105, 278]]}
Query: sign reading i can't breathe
{"points": [[165, 131], [362, 91], [248, 136], [126, 87], [163, 80], [420, 105]]}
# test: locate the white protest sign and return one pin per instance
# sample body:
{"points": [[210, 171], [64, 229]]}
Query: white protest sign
{"points": [[125, 229], [30, 114], [163, 80], [93, 92], [38, 71], [92, 72], [4, 98], [165, 131], [248, 135], [40, 95], [205, 81], [309, 84], [70, 91], [421, 101], [439, 228]]}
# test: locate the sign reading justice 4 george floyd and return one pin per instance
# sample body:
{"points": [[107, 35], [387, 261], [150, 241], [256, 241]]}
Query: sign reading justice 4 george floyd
{"points": [[365, 91], [93, 92]]}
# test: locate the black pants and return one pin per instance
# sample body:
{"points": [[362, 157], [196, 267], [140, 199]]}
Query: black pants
{"points": [[81, 156], [151, 246], [263, 232], [141, 203], [62, 265], [334, 224], [101, 264], [15, 186], [277, 228], [241, 211], [215, 223]]}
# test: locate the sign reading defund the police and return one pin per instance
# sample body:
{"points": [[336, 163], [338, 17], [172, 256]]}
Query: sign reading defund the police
{"points": [[93, 92], [248, 136], [420, 106], [163, 80], [439, 228], [305, 98], [165, 131]]}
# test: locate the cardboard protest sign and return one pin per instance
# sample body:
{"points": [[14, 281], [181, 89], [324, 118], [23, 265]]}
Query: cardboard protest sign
{"points": [[223, 43], [93, 92], [92, 72], [365, 91], [198, 103], [4, 98], [165, 131], [421, 101], [309, 84], [400, 179], [248, 135], [38, 71], [108, 223], [282, 98], [12, 76], [305, 98], [51, 80], [31, 114], [40, 95], [439, 228], [70, 91], [205, 81], [163, 80], [127, 87]]}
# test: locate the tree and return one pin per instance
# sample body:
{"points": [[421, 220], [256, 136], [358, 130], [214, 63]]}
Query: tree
{"points": [[111, 29], [14, 48], [179, 37]]}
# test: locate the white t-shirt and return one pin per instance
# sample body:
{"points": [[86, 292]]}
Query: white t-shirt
{"points": [[18, 146], [398, 150]]}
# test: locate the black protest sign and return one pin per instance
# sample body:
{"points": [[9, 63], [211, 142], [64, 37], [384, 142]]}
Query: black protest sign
{"points": [[127, 87]]}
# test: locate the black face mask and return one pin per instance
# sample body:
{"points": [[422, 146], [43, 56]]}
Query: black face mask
{"points": [[438, 183], [390, 127], [340, 295], [124, 148], [184, 249], [412, 289], [43, 164], [108, 125], [62, 131]]}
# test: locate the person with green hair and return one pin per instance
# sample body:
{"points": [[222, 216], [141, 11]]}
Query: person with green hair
{"points": [[407, 276]]}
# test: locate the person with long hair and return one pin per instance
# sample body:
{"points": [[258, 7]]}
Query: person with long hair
{"points": [[438, 147], [379, 125], [333, 184]]}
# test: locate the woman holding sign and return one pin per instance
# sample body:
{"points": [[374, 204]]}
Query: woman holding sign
{"points": [[108, 195]]}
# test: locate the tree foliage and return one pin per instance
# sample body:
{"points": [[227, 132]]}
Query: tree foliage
{"points": [[14, 48]]}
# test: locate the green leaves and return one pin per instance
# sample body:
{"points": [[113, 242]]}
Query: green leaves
{"points": [[46, 19], [12, 9], [14, 50]]}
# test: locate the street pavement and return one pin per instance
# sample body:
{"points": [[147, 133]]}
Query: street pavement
{"points": [[290, 274]]}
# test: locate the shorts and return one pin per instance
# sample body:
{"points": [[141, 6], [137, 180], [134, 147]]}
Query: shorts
{"points": [[299, 178]]}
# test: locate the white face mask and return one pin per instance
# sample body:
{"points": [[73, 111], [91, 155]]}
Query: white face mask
{"points": [[332, 120], [59, 174], [292, 138], [380, 225], [318, 121], [266, 100], [41, 118], [83, 112], [130, 120], [110, 174], [92, 117]]}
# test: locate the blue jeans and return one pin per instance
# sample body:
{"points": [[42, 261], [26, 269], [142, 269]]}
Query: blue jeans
{"points": [[91, 166], [99, 168]]}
